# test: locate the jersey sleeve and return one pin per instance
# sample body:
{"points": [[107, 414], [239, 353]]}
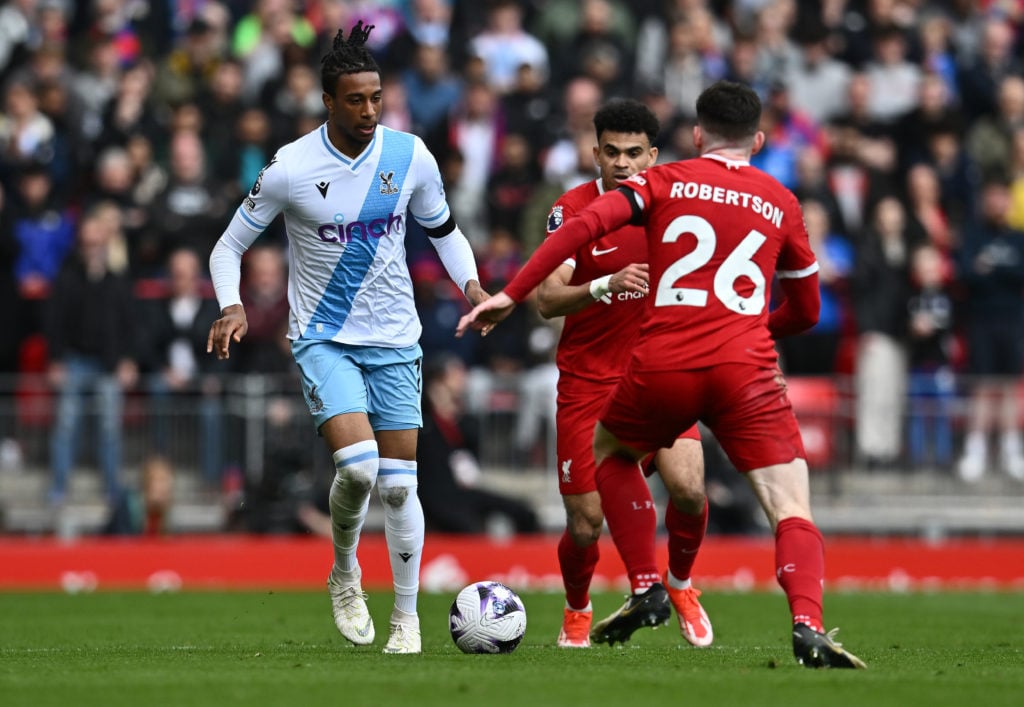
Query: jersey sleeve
{"points": [[268, 197], [428, 203], [561, 211], [796, 259]]}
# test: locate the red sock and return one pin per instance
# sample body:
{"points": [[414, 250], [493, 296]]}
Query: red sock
{"points": [[632, 519], [577, 564], [800, 569], [685, 534]]}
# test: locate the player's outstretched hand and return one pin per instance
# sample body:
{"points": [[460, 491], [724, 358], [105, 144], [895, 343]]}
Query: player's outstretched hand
{"points": [[232, 326], [485, 315]]}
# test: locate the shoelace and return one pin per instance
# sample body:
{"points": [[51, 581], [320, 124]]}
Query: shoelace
{"points": [[831, 636], [348, 597]]}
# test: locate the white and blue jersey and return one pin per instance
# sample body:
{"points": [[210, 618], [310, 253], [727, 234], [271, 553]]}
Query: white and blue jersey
{"points": [[346, 221]]}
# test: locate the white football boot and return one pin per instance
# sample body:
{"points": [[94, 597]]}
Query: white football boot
{"points": [[405, 633], [348, 604]]}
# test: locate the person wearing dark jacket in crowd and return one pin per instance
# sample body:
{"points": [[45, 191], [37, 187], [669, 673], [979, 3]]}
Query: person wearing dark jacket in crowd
{"points": [[448, 467], [881, 278], [89, 325], [173, 359], [991, 265]]}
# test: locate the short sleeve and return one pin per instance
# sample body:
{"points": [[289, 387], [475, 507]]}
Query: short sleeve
{"points": [[267, 198], [428, 203]]}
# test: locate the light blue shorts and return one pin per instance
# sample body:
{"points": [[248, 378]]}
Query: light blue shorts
{"points": [[381, 382]]}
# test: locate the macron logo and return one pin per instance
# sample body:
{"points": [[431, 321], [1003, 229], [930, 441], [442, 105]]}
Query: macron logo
{"points": [[405, 556], [322, 188]]}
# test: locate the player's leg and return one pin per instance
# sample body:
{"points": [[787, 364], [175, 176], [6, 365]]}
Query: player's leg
{"points": [[681, 468], [578, 552], [356, 464], [784, 493], [758, 432], [336, 395], [393, 385], [404, 532], [632, 522]]}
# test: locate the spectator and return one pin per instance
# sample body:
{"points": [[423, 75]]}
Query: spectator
{"points": [[449, 471], [90, 328], [862, 157], [440, 305], [511, 186], [173, 357], [893, 80], [881, 279], [597, 49], [188, 213], [787, 133], [818, 84], [182, 76], [990, 140], [44, 232], [220, 100], [991, 265], [812, 183], [932, 384], [979, 79], [814, 353], [11, 314], [265, 298], [936, 111], [26, 134], [148, 177], [504, 46], [476, 128], [580, 100], [431, 88]]}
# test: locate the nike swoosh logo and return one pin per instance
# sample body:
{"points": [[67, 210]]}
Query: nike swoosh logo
{"points": [[595, 252], [365, 630]]}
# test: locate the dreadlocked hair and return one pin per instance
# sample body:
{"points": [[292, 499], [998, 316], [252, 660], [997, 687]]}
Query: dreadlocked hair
{"points": [[347, 56]]}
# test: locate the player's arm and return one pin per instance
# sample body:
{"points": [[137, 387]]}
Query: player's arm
{"points": [[429, 206], [800, 305], [258, 209], [557, 298], [456, 255], [606, 213]]}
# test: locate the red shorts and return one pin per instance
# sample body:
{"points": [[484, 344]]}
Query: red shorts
{"points": [[744, 405], [579, 405]]}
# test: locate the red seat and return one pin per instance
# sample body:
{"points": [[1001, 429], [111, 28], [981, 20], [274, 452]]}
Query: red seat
{"points": [[815, 403]]}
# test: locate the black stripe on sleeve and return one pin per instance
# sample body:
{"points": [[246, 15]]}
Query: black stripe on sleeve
{"points": [[443, 230]]}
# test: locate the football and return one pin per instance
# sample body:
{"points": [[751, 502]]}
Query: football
{"points": [[487, 617]]}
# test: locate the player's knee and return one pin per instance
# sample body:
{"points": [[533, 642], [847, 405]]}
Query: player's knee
{"points": [[358, 479], [689, 500], [584, 530], [395, 496]]}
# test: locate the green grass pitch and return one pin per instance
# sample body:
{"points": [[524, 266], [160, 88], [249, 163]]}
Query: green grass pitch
{"points": [[281, 648]]}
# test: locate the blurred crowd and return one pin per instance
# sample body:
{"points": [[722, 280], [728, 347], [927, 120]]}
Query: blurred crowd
{"points": [[131, 129]]}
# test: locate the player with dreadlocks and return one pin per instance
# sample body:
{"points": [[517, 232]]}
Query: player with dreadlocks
{"points": [[347, 190]]}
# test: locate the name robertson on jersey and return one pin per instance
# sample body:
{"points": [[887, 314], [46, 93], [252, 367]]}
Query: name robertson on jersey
{"points": [[729, 197]]}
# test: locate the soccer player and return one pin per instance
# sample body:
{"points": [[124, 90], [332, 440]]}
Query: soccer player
{"points": [[717, 230], [601, 291], [346, 191]]}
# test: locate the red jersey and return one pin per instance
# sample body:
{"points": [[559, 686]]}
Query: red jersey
{"points": [[717, 231], [591, 345]]}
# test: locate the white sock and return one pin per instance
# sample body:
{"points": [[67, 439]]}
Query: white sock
{"points": [[403, 528], [677, 583], [356, 471], [587, 609]]}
